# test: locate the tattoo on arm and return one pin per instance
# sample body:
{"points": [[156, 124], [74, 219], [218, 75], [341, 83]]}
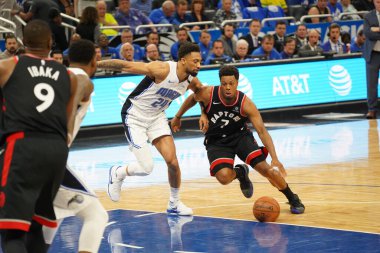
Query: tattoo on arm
{"points": [[110, 65]]}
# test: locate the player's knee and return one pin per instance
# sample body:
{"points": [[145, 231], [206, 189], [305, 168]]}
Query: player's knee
{"points": [[173, 164], [147, 166], [224, 176]]}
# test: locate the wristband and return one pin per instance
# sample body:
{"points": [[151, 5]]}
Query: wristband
{"points": [[176, 116]]}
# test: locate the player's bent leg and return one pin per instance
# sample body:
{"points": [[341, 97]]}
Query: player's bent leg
{"points": [[142, 167], [225, 175], [94, 222], [275, 178]]}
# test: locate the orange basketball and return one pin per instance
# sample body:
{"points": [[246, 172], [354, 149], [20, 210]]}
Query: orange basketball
{"points": [[266, 209]]}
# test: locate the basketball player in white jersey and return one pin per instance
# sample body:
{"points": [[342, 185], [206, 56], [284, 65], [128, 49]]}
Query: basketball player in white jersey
{"points": [[74, 198], [144, 118]]}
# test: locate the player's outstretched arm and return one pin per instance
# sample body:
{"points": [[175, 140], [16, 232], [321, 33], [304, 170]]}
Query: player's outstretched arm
{"points": [[253, 114], [6, 69], [155, 69]]}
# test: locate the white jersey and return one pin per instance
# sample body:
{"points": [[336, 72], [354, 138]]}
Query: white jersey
{"points": [[150, 98], [83, 106]]}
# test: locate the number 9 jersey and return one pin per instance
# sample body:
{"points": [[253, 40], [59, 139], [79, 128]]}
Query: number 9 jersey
{"points": [[36, 96]]}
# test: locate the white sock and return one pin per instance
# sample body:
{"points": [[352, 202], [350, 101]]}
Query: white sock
{"points": [[121, 172], [174, 195]]}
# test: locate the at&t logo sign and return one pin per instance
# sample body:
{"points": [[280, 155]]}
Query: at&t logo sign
{"points": [[340, 80]]}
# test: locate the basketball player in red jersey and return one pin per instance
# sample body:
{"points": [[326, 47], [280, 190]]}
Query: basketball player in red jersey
{"points": [[228, 111], [40, 99]]}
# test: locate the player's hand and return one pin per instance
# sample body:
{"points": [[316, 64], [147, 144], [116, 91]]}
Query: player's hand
{"points": [[203, 123], [175, 123], [276, 164]]}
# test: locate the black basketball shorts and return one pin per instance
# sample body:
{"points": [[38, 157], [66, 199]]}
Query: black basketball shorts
{"points": [[222, 155]]}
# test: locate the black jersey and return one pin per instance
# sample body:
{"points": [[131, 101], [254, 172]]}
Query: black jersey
{"points": [[36, 96], [225, 121]]}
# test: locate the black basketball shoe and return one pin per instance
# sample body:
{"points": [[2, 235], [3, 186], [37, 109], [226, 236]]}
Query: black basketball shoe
{"points": [[242, 174], [296, 205]]}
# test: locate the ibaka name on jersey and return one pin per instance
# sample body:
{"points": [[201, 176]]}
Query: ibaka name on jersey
{"points": [[43, 71], [225, 114]]}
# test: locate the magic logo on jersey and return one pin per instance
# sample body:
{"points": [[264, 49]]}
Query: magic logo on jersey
{"points": [[168, 96]]}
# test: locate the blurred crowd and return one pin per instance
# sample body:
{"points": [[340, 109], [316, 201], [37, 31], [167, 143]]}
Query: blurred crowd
{"points": [[114, 26]]}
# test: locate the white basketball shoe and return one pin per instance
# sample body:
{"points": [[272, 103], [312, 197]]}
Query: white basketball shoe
{"points": [[178, 209], [114, 184]]}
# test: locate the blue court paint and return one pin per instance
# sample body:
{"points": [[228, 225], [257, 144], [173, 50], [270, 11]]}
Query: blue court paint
{"points": [[161, 233]]}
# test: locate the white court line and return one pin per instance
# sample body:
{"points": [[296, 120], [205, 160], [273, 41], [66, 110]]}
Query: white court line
{"points": [[127, 245], [145, 214]]}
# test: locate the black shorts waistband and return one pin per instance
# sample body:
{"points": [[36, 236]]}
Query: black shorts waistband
{"points": [[20, 135]]}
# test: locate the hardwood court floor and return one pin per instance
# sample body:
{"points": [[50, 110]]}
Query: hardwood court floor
{"points": [[336, 173]]}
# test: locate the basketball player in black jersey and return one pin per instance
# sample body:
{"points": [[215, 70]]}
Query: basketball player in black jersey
{"points": [[228, 111], [40, 99]]}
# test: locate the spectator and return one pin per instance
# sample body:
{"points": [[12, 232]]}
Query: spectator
{"points": [[335, 8], [253, 38], [225, 13], [182, 36], [39, 9], [98, 53], [106, 50], [205, 44], [126, 52], [363, 5], [280, 3], [334, 44], [11, 46], [57, 56], [320, 8], [180, 16], [312, 45], [127, 36], [267, 49], [58, 31], [357, 42], [236, 7], [163, 15], [241, 54], [80, 5], [88, 27], [151, 53], [154, 38], [289, 48], [65, 6], [301, 36], [143, 5], [126, 15], [348, 7], [279, 35], [217, 54], [229, 42], [198, 15], [106, 19]]}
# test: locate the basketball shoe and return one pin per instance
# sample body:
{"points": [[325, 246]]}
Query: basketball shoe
{"points": [[178, 209], [242, 174], [296, 206], [114, 184]]}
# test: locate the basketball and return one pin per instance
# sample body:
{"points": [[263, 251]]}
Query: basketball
{"points": [[266, 209]]}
